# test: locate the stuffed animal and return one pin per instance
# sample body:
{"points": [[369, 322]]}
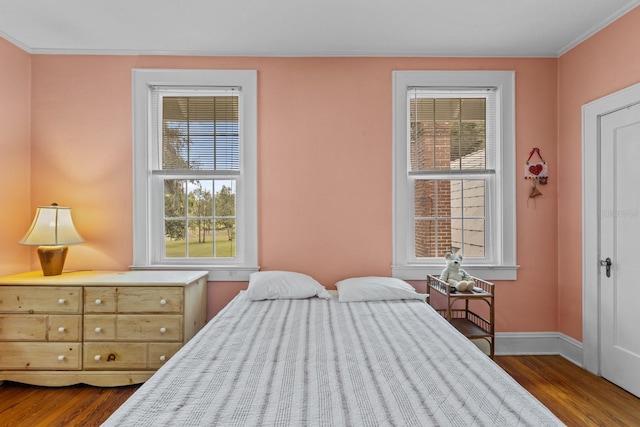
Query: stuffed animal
{"points": [[454, 275]]}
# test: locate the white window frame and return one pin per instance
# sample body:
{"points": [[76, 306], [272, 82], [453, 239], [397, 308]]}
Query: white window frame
{"points": [[501, 210], [146, 254]]}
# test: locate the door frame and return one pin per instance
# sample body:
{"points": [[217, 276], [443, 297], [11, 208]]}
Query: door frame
{"points": [[591, 115]]}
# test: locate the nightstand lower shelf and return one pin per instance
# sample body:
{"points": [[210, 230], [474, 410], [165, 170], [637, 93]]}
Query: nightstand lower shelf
{"points": [[468, 322], [469, 329]]}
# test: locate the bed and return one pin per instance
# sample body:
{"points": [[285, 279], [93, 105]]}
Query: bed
{"points": [[320, 362]]}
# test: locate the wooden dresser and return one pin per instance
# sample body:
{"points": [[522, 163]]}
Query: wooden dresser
{"points": [[98, 328]]}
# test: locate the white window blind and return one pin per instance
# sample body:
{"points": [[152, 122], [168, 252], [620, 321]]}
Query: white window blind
{"points": [[452, 129], [199, 129]]}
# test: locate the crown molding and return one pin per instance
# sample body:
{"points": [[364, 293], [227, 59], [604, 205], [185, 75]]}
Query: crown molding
{"points": [[598, 27]]}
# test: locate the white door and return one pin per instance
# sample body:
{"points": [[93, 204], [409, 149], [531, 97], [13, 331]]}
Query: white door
{"points": [[620, 243]]}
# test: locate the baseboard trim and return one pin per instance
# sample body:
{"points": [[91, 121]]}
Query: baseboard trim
{"points": [[539, 343]]}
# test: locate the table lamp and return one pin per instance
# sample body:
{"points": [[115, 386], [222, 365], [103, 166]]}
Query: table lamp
{"points": [[52, 230]]}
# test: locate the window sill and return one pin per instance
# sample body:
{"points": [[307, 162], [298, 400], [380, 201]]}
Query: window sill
{"points": [[225, 273], [486, 272]]}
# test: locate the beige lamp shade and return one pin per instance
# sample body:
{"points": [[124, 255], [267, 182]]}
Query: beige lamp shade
{"points": [[52, 226]]}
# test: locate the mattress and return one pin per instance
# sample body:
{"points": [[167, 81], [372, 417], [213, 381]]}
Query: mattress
{"points": [[317, 362]]}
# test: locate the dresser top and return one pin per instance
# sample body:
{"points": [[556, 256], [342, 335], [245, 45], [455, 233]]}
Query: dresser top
{"points": [[102, 278]]}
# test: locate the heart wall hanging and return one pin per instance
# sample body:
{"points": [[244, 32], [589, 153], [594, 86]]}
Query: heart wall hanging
{"points": [[537, 171]]}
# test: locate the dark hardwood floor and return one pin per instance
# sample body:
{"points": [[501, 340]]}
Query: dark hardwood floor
{"points": [[78, 405], [577, 397]]}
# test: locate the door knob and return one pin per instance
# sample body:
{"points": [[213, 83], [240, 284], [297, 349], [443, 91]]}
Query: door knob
{"points": [[606, 263]]}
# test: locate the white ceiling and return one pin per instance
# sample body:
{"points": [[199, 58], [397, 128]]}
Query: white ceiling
{"points": [[306, 27]]}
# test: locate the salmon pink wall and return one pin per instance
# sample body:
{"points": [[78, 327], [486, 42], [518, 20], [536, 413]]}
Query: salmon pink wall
{"points": [[81, 152], [15, 124], [324, 158], [603, 64]]}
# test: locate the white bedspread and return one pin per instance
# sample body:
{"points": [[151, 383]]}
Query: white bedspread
{"points": [[319, 362]]}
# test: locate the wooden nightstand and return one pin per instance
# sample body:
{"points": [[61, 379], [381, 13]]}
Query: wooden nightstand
{"points": [[468, 322], [98, 328]]}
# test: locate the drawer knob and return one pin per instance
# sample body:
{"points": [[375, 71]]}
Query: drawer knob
{"points": [[61, 301], [98, 301], [96, 357], [98, 330], [61, 357], [163, 302], [163, 330], [61, 329], [163, 358]]}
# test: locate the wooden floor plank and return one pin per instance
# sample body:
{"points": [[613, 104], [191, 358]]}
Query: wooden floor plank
{"points": [[577, 397]]}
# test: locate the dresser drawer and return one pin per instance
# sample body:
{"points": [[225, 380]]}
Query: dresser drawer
{"points": [[100, 327], [100, 300], [132, 327], [23, 327], [64, 328], [118, 355], [159, 353], [159, 299], [39, 327], [115, 355], [39, 356], [39, 299]]}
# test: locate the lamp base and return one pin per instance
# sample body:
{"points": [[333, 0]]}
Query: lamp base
{"points": [[52, 259]]}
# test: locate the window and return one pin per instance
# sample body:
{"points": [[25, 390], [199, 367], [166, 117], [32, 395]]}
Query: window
{"points": [[195, 171], [454, 172]]}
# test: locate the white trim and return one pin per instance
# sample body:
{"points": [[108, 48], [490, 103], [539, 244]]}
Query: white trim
{"points": [[473, 54], [15, 42], [247, 260], [505, 268], [591, 114], [539, 343], [219, 274], [277, 53], [489, 272]]}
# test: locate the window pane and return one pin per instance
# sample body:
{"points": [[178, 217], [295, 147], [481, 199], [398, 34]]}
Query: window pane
{"points": [[175, 196], [200, 218], [425, 238], [175, 242], [225, 198], [200, 199], [225, 218], [473, 198], [474, 238], [433, 238], [175, 213], [425, 198], [200, 238], [443, 200], [444, 241], [200, 132], [225, 239], [447, 133], [433, 198]]}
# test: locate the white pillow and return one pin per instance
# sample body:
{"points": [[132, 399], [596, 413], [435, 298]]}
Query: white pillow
{"points": [[284, 285], [376, 289]]}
